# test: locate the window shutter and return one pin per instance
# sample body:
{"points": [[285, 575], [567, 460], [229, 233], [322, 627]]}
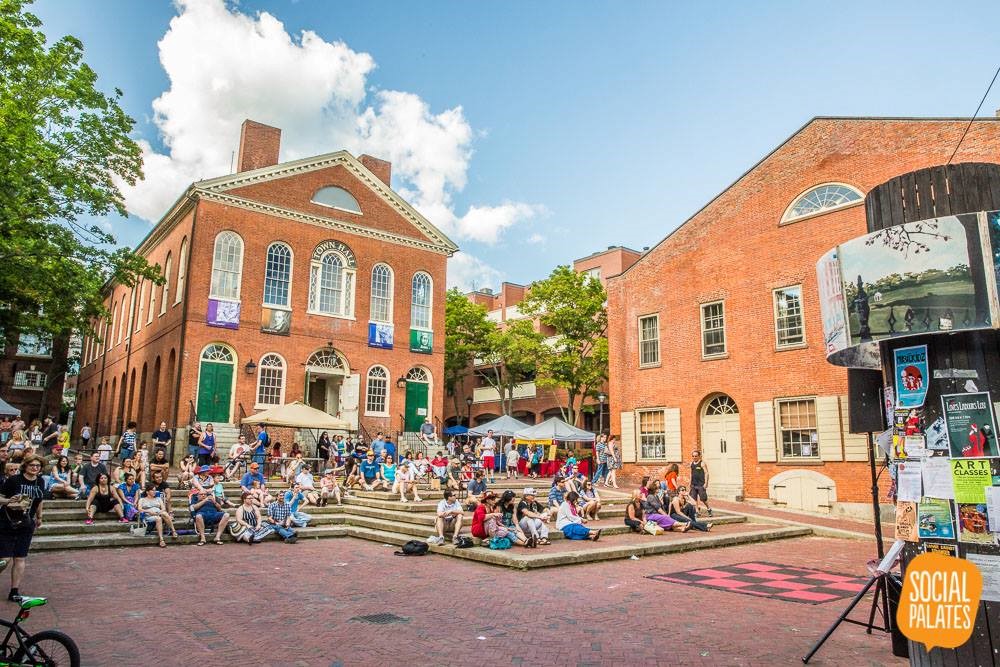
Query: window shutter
{"points": [[672, 432], [828, 428], [767, 448], [855, 446], [628, 436]]}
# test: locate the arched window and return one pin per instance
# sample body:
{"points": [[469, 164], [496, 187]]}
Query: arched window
{"points": [[331, 284], [822, 199], [417, 374], [142, 303], [377, 391], [278, 276], [227, 267], [181, 272], [166, 283], [152, 301], [381, 306], [271, 380], [122, 318], [338, 198], [420, 308]]}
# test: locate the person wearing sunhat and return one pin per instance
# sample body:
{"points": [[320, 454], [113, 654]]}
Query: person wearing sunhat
{"points": [[531, 517]]}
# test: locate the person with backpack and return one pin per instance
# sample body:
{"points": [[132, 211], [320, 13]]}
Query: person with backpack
{"points": [[127, 441], [260, 448]]}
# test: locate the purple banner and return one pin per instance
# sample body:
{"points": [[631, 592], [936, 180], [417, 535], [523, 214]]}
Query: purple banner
{"points": [[225, 314]]}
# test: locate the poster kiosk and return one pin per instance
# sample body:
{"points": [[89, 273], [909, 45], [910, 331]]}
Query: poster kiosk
{"points": [[917, 300]]}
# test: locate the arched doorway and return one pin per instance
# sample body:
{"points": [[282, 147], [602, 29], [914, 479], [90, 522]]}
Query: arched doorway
{"points": [[330, 386], [418, 385], [216, 375], [722, 446]]}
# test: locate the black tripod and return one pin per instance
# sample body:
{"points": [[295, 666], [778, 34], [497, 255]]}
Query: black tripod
{"points": [[880, 580]]}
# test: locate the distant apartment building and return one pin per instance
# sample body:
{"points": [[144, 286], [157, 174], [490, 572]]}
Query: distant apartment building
{"points": [[475, 401], [32, 374]]}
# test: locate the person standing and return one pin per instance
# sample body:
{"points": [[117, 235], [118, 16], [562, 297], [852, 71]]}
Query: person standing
{"points": [[323, 448], [260, 448], [206, 446], [50, 435], [614, 463], [162, 437], [601, 449], [488, 447], [85, 435], [126, 443], [21, 498], [699, 481], [194, 437]]}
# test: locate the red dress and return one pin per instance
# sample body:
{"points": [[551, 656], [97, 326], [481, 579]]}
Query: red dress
{"points": [[478, 519]]}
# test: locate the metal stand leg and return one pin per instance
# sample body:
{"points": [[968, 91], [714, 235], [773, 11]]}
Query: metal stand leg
{"points": [[876, 580]]}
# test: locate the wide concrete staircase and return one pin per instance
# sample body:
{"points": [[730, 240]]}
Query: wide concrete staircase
{"points": [[381, 517]]}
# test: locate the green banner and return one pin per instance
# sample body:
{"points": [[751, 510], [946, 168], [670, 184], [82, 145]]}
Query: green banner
{"points": [[421, 341]]}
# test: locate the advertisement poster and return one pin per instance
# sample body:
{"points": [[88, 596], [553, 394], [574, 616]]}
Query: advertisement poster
{"points": [[937, 436], [906, 522], [989, 567], [914, 446], [831, 304], [993, 508], [914, 278], [380, 335], [912, 376], [421, 341], [942, 548], [225, 314], [974, 525], [275, 321], [971, 477], [889, 394], [935, 519], [908, 481], [937, 477], [970, 424]]}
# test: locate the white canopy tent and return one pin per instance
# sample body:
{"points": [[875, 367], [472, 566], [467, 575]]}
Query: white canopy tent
{"points": [[299, 415], [554, 429], [6, 409], [503, 426]]}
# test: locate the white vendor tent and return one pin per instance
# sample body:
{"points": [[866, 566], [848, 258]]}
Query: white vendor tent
{"points": [[298, 415], [553, 429], [503, 426]]}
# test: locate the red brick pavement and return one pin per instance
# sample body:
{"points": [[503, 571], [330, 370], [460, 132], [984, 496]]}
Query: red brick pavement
{"points": [[278, 604], [840, 523]]}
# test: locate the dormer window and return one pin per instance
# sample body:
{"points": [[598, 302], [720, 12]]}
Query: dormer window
{"points": [[337, 198], [822, 199]]}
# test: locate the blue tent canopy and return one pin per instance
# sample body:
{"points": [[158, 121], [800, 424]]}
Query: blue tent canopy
{"points": [[456, 430]]}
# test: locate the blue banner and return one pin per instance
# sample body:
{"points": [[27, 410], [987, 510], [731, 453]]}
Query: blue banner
{"points": [[380, 335]]}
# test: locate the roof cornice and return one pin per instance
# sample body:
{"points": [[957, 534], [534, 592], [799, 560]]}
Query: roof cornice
{"points": [[318, 221], [439, 241]]}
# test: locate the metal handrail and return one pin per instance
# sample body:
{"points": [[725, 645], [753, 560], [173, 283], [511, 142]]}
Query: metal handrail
{"points": [[245, 429]]}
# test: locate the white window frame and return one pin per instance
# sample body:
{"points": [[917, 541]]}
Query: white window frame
{"points": [[656, 347], [141, 312], [287, 305], [639, 444], [368, 390], [165, 296], [122, 319], [387, 297], [429, 305], [234, 266], [348, 284], [787, 217], [38, 346], [780, 431], [357, 207], [152, 301], [131, 312], [777, 327], [39, 376], [725, 343], [283, 370], [181, 272]]}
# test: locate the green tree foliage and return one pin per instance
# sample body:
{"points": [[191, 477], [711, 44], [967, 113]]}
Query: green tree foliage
{"points": [[64, 147], [510, 358], [466, 329], [573, 307]]}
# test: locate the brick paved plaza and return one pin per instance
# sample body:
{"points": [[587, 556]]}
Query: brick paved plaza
{"points": [[294, 605]]}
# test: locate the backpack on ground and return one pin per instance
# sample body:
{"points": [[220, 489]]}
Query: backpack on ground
{"points": [[413, 548], [464, 542]]}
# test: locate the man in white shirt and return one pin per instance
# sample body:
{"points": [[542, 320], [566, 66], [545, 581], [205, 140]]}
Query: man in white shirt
{"points": [[305, 480], [236, 454], [449, 518], [405, 480], [488, 446]]}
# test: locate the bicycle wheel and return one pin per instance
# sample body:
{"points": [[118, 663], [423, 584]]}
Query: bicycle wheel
{"points": [[49, 648]]}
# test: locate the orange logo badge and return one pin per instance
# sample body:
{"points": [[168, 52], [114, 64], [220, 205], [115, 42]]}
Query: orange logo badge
{"points": [[939, 600]]}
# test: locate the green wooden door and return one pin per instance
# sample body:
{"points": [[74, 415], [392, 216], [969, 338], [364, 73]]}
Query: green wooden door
{"points": [[416, 405], [215, 390]]}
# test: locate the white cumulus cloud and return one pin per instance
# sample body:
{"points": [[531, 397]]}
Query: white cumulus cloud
{"points": [[225, 66], [468, 273]]}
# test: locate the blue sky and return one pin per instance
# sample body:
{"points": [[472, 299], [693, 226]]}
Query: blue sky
{"points": [[595, 123]]}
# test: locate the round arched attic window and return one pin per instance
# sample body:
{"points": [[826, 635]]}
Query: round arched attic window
{"points": [[338, 198], [822, 199]]}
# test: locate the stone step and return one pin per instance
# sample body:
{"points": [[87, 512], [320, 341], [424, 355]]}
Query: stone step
{"points": [[78, 513], [52, 542], [422, 532], [104, 526], [613, 547]]}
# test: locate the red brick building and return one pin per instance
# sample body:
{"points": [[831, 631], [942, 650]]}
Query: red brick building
{"points": [[716, 339], [308, 280], [532, 404], [33, 373]]}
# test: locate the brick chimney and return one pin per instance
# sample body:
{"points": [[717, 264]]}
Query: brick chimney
{"points": [[381, 168], [259, 146]]}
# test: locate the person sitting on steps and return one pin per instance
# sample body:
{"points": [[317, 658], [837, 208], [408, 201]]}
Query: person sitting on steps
{"points": [[449, 518], [571, 524], [682, 509]]}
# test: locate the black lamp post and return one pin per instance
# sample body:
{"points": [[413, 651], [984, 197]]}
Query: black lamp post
{"points": [[600, 417], [468, 411], [401, 383]]}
